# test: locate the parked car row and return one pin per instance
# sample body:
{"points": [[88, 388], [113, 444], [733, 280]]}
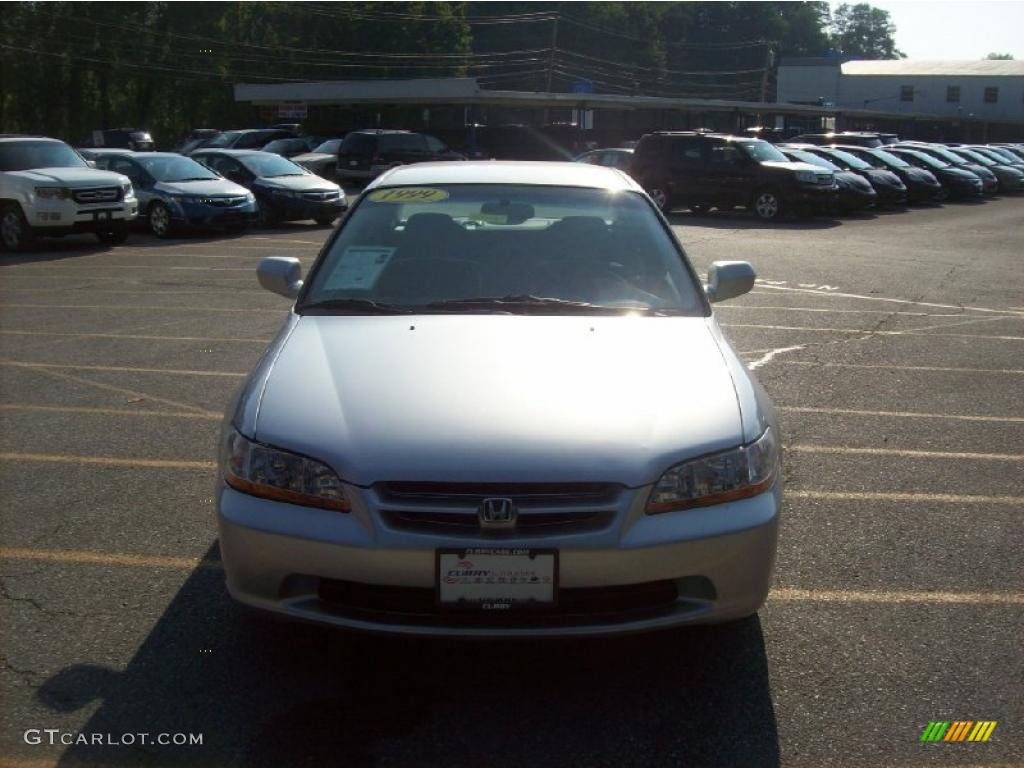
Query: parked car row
{"points": [[814, 173]]}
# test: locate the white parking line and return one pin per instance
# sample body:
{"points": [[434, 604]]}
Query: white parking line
{"points": [[830, 311], [203, 339], [106, 461], [879, 366], [120, 390], [901, 414], [768, 356], [867, 332], [883, 298], [28, 407], [120, 369], [840, 450], [941, 498], [150, 308]]}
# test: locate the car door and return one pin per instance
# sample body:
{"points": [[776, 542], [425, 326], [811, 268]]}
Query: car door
{"points": [[730, 174], [230, 169], [688, 181], [141, 181]]}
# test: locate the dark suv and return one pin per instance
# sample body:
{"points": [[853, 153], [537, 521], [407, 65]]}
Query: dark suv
{"points": [[859, 138], [364, 155], [705, 170]]}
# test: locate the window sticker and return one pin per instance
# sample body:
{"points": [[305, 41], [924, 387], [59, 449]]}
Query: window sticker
{"points": [[408, 195], [359, 267]]}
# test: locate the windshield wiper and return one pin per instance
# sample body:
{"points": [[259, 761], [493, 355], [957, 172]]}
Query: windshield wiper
{"points": [[193, 178], [357, 306]]}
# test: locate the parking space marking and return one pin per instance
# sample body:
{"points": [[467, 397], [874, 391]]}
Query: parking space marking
{"points": [[106, 461], [768, 356], [841, 450], [92, 289], [150, 308], [868, 332], [831, 311], [204, 339], [901, 414], [780, 594], [121, 369], [884, 298], [29, 407], [941, 498], [879, 366], [120, 390]]}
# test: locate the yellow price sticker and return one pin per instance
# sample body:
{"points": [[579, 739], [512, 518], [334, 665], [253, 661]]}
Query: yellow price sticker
{"points": [[408, 195]]}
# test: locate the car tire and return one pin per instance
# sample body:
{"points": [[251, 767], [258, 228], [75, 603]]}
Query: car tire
{"points": [[15, 233], [324, 221], [657, 189], [116, 235], [767, 205], [160, 223]]}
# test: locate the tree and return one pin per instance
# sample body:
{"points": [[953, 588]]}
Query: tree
{"points": [[1000, 57], [864, 31]]}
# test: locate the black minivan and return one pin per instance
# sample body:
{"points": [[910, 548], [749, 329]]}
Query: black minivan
{"points": [[704, 170], [364, 155]]}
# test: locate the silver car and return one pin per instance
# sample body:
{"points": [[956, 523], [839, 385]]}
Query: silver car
{"points": [[501, 405]]}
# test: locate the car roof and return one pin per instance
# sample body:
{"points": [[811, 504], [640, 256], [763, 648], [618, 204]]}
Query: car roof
{"points": [[232, 152], [536, 173], [26, 137]]}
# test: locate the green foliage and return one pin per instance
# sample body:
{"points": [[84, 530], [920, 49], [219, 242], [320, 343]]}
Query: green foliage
{"points": [[865, 32], [69, 67]]}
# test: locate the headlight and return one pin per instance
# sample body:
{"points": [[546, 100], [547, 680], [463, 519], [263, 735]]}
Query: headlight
{"points": [[284, 192], [269, 472], [806, 177], [53, 193], [127, 190], [726, 476], [250, 197]]}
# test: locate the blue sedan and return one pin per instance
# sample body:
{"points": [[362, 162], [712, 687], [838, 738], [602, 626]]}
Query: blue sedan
{"points": [[176, 192]]}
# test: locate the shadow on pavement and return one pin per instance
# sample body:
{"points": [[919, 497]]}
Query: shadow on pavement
{"points": [[275, 694], [744, 220]]}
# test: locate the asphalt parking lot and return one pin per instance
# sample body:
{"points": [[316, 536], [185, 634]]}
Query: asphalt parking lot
{"points": [[892, 344]]}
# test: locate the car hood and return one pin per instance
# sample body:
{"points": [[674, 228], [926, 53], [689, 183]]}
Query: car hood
{"points": [[793, 165], [920, 175], [471, 398], [304, 183], [882, 176], [74, 177], [961, 173], [851, 180], [210, 188]]}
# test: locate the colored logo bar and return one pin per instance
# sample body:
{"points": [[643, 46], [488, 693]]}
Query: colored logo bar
{"points": [[958, 730]]}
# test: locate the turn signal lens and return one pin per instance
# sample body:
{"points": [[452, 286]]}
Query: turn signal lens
{"points": [[726, 476], [269, 472]]}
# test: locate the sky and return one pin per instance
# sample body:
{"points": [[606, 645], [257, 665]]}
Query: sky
{"points": [[955, 29]]}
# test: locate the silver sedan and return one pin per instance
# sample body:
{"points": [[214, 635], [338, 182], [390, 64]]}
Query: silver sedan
{"points": [[501, 405]]}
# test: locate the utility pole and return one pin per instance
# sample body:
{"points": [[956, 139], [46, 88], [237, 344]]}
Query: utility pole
{"points": [[769, 60], [551, 52]]}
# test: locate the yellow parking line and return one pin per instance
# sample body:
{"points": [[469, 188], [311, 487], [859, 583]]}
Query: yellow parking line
{"points": [[877, 366], [149, 308], [777, 594], [122, 369], [203, 415], [900, 414], [848, 451], [791, 594], [9, 332], [84, 557], [107, 461], [942, 498]]}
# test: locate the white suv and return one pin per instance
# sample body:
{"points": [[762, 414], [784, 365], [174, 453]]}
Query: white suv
{"points": [[46, 188]]}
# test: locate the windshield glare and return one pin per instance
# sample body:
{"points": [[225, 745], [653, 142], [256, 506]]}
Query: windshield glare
{"points": [[851, 160], [174, 168], [889, 159], [413, 247], [26, 155], [329, 147], [809, 157], [762, 151], [928, 160], [224, 139], [269, 165]]}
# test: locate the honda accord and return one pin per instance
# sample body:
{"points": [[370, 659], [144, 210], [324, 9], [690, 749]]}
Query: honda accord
{"points": [[501, 404]]}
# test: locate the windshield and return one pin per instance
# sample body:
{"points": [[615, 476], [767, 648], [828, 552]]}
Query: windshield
{"points": [[269, 165], [762, 151], [26, 155], [174, 168], [224, 139], [503, 248], [850, 160], [889, 159], [922, 158], [976, 157], [810, 157], [947, 155], [329, 147]]}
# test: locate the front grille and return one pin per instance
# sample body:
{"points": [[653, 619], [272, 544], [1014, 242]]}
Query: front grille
{"points": [[225, 202], [452, 508], [583, 605], [97, 195], [330, 194]]}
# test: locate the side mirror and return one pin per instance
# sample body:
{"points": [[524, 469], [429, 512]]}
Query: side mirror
{"points": [[729, 279], [281, 275], [91, 163]]}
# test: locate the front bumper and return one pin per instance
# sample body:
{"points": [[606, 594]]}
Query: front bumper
{"points": [[299, 209], [206, 215], [706, 565], [888, 195], [67, 216]]}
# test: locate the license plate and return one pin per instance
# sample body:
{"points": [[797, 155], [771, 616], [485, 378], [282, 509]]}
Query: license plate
{"points": [[494, 579], [101, 216]]}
